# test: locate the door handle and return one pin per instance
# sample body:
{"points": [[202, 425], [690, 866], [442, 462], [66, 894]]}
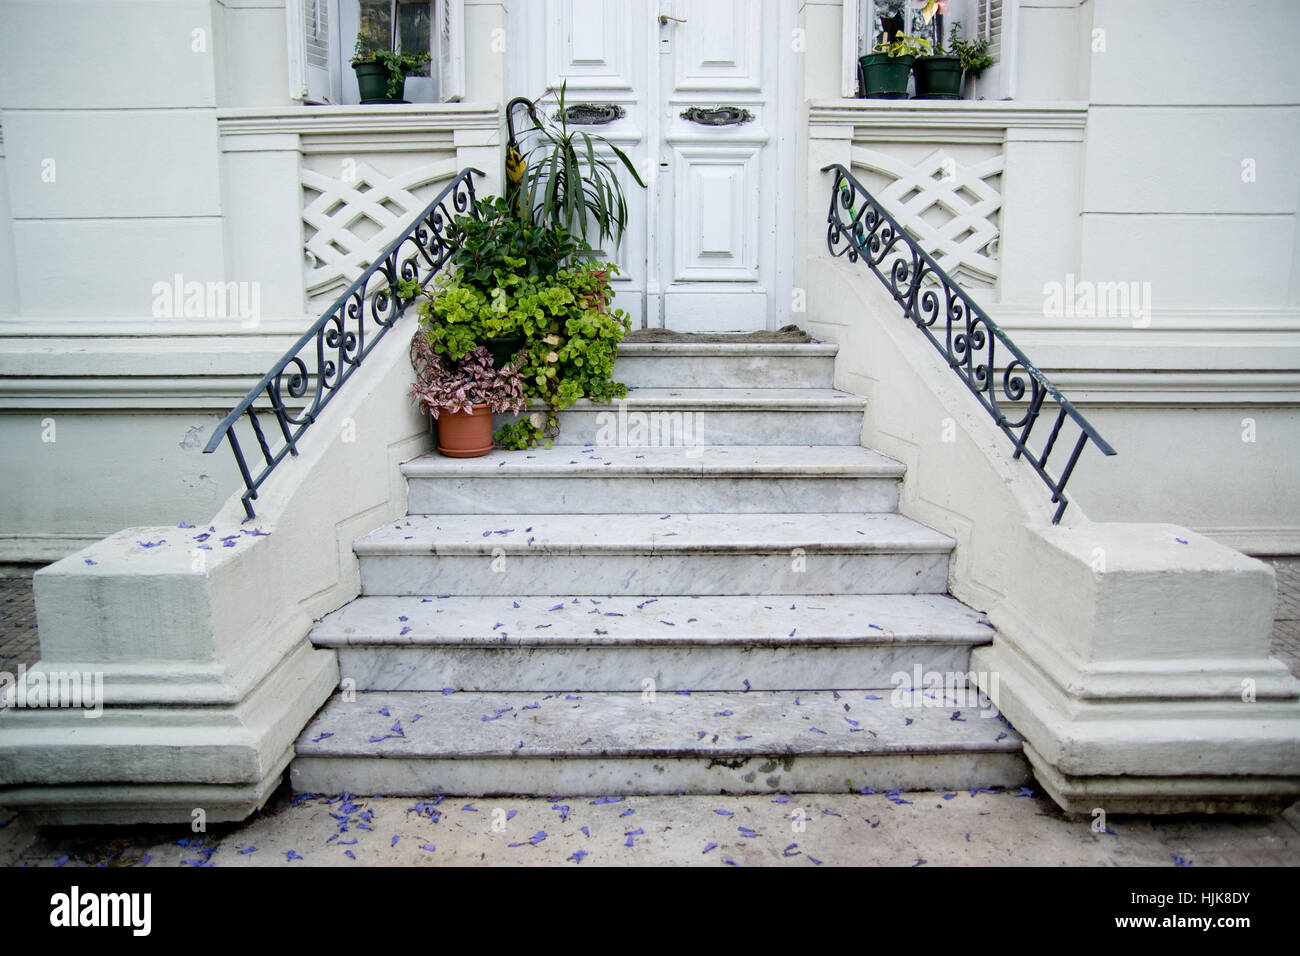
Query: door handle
{"points": [[664, 18], [718, 115]]}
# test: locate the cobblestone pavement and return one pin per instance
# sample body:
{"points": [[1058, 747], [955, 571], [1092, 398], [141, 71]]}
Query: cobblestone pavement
{"points": [[17, 624], [1286, 617]]}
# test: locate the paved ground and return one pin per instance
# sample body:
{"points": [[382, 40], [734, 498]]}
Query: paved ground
{"points": [[941, 828], [916, 828]]}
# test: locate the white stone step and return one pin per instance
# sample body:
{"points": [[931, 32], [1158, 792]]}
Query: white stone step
{"points": [[567, 479], [714, 416], [591, 745], [617, 643], [653, 554], [719, 364]]}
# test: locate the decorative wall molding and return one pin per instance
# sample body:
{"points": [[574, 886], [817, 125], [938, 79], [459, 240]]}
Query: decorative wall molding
{"points": [[337, 252], [951, 208], [410, 119], [951, 121], [938, 166]]}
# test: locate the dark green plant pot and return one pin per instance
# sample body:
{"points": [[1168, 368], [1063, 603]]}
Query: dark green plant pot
{"points": [[884, 77], [503, 348], [372, 83], [938, 77]]}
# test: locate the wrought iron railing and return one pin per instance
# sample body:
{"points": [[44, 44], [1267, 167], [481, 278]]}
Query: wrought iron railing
{"points": [[860, 228], [310, 374]]}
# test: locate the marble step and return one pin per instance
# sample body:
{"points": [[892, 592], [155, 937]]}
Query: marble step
{"points": [[684, 417], [654, 554], [592, 745], [567, 479], [725, 364], [618, 643]]}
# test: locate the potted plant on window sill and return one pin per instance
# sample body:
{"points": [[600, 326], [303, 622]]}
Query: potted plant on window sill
{"points": [[381, 74], [461, 396], [885, 71], [938, 77], [972, 53]]}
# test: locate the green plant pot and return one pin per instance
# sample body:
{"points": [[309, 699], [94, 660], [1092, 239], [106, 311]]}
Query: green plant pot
{"points": [[938, 77], [884, 77], [372, 83], [503, 348]]}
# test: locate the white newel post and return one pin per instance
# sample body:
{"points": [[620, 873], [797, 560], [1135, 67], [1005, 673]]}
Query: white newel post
{"points": [[481, 149]]}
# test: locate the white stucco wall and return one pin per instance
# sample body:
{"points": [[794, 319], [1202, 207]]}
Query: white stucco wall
{"points": [[1125, 164], [1139, 177], [175, 150]]}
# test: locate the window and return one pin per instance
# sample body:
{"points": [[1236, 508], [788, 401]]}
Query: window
{"points": [[322, 37], [994, 19], [906, 12], [403, 26]]}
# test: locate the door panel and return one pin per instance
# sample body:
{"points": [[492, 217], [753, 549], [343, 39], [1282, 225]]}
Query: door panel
{"points": [[716, 240], [712, 214], [700, 247]]}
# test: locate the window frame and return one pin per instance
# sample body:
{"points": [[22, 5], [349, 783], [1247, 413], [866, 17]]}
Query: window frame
{"points": [[446, 80], [858, 26]]}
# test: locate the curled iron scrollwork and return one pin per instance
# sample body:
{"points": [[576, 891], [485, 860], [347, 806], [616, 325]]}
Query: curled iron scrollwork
{"points": [[860, 229], [297, 389]]}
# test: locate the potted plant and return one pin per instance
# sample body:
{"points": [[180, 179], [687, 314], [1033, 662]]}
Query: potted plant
{"points": [[973, 54], [570, 333], [461, 395], [938, 77], [885, 72], [493, 250], [573, 336], [381, 74], [568, 181]]}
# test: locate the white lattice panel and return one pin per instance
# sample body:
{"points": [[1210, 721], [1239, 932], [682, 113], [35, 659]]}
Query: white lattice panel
{"points": [[949, 206], [349, 223]]}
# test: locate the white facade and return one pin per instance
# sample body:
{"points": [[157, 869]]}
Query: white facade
{"points": [[1132, 153], [1130, 215]]}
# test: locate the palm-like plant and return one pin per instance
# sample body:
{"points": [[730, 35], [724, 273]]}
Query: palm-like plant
{"points": [[569, 181]]}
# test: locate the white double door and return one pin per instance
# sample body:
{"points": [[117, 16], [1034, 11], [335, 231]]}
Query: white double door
{"points": [[703, 93]]}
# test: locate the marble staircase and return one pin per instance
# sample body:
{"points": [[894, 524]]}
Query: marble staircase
{"points": [[705, 588]]}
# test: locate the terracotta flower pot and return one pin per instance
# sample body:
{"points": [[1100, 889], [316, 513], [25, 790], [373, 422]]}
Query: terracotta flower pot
{"points": [[462, 435]]}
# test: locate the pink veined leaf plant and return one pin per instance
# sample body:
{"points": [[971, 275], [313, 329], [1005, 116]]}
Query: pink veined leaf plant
{"points": [[444, 385]]}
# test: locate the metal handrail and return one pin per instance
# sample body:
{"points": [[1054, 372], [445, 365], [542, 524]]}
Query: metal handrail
{"points": [[340, 337], [924, 290]]}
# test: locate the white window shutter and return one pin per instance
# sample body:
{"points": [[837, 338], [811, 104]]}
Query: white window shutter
{"points": [[998, 22], [312, 43], [449, 49]]}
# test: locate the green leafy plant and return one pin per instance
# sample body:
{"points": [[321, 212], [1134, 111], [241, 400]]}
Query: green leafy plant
{"points": [[573, 339], [973, 53], [904, 45], [495, 244], [456, 318], [513, 277], [398, 65], [569, 181]]}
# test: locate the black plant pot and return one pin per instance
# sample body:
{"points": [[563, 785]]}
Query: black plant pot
{"points": [[938, 77], [885, 76], [372, 83], [503, 348]]}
